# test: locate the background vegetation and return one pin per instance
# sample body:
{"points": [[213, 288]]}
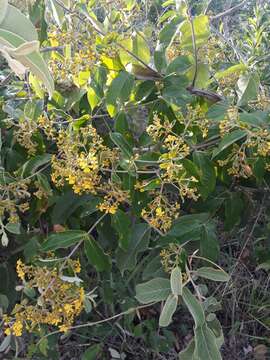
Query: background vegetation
{"points": [[134, 179]]}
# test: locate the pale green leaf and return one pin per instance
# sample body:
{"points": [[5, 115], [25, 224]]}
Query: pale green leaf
{"points": [[194, 307], [247, 88], [213, 274], [17, 23], [205, 344], [3, 9], [33, 61], [168, 310], [176, 281], [153, 290]]}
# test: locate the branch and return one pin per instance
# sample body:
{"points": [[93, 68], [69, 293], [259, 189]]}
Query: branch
{"points": [[89, 324], [229, 11]]}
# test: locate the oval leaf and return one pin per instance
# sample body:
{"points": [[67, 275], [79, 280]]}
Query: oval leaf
{"points": [[96, 255], [213, 274], [176, 281], [3, 9], [228, 140], [63, 239], [157, 289], [168, 310], [194, 307]]}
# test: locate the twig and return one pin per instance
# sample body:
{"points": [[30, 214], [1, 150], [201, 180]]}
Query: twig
{"points": [[89, 324], [229, 11], [52, 48]]}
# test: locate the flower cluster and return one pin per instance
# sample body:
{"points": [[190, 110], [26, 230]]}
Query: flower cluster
{"points": [[172, 256], [160, 213], [113, 197], [14, 197], [24, 134], [79, 159], [79, 50], [58, 301]]}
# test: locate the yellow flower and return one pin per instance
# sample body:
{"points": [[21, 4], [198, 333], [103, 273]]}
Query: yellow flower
{"points": [[20, 269], [8, 331], [68, 308], [17, 328], [159, 211], [64, 328]]}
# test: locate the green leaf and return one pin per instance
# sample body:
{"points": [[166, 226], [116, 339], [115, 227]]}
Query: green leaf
{"points": [[13, 228], [238, 68], [122, 143], [7, 340], [169, 30], [176, 281], [154, 290], [92, 98], [168, 310], [228, 140], [247, 88], [213, 274], [96, 255], [32, 165], [201, 30], [207, 173], [188, 353], [119, 91], [160, 58], [122, 224], [179, 65], [217, 111], [92, 352], [33, 61], [121, 123], [234, 207], [17, 23], [138, 242], [3, 9], [188, 227], [174, 91], [138, 46], [206, 344], [57, 11], [214, 325], [194, 307], [63, 240], [209, 245], [203, 75]]}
